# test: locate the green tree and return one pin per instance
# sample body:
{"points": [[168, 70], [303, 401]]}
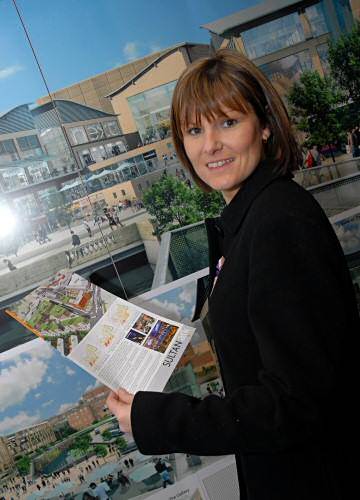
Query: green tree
{"points": [[121, 443], [100, 450], [344, 59], [82, 443], [106, 435], [172, 204], [315, 108], [208, 204], [23, 465]]}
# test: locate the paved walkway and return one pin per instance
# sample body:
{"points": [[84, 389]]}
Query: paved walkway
{"points": [[61, 241]]}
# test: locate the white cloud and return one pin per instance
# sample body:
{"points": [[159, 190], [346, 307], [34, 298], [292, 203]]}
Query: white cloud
{"points": [[93, 386], [48, 403], [69, 371], [64, 407], [22, 420], [131, 50], [42, 350], [10, 71], [37, 395], [50, 380], [19, 379], [188, 294]]}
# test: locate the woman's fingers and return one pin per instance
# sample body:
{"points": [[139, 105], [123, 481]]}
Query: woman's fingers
{"points": [[124, 396]]}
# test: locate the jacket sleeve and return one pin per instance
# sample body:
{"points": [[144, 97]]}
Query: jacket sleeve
{"points": [[298, 288]]}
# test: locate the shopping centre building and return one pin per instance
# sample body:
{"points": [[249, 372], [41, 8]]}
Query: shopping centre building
{"points": [[114, 127], [285, 37]]}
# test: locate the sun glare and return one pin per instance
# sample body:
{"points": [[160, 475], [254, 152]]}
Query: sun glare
{"points": [[7, 222]]}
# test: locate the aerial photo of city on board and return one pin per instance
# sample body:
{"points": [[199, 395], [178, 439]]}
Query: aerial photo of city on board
{"points": [[62, 311]]}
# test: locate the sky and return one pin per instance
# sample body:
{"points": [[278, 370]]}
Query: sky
{"points": [[37, 382], [76, 39]]}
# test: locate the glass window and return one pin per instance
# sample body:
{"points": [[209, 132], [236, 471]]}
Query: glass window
{"points": [[14, 178], [111, 129], [39, 172], [273, 36], [316, 17], [151, 110], [28, 142], [285, 71], [54, 144], [95, 132], [8, 151], [323, 51], [77, 135], [98, 153]]}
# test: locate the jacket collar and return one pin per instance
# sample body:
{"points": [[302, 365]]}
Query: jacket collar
{"points": [[234, 213]]}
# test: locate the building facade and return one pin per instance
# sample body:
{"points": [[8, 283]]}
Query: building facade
{"points": [[42, 151], [31, 439], [96, 399], [6, 458], [284, 37]]}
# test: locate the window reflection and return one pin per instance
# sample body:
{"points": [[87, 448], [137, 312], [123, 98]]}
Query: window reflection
{"points": [[323, 51], [151, 110], [316, 17], [273, 36], [285, 71], [8, 151]]}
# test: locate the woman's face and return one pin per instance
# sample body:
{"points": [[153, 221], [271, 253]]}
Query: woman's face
{"points": [[226, 150]]}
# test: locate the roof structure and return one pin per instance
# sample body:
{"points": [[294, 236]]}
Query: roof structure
{"points": [[17, 119], [156, 61], [45, 115], [244, 18]]}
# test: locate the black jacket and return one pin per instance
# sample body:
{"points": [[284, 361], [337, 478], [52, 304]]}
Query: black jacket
{"points": [[285, 326]]}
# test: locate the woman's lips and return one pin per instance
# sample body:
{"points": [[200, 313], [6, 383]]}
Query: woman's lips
{"points": [[219, 163]]}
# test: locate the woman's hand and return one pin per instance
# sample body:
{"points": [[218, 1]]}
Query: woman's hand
{"points": [[119, 403]]}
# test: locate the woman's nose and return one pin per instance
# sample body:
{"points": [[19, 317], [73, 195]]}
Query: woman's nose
{"points": [[212, 141]]}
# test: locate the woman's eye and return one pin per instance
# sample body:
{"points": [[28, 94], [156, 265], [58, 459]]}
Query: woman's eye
{"points": [[230, 122], [194, 130]]}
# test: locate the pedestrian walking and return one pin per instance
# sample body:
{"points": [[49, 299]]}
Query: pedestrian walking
{"points": [[9, 264], [88, 228]]}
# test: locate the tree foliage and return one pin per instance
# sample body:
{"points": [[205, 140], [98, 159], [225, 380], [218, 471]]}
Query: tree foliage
{"points": [[315, 108], [344, 59], [106, 434], [23, 465], [82, 443], [173, 203], [100, 450], [121, 443]]}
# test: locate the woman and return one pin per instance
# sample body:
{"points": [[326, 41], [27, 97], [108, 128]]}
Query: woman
{"points": [[282, 308]]}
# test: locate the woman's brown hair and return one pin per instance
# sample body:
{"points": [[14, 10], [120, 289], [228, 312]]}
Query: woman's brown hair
{"points": [[230, 80]]}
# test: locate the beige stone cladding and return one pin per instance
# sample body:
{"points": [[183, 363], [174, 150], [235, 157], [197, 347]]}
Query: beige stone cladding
{"points": [[355, 7], [92, 90], [6, 458], [31, 439]]}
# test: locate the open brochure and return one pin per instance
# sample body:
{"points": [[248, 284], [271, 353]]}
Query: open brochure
{"points": [[119, 343]]}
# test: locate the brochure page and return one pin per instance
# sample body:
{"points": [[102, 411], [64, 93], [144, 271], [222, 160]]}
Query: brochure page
{"points": [[121, 344]]}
